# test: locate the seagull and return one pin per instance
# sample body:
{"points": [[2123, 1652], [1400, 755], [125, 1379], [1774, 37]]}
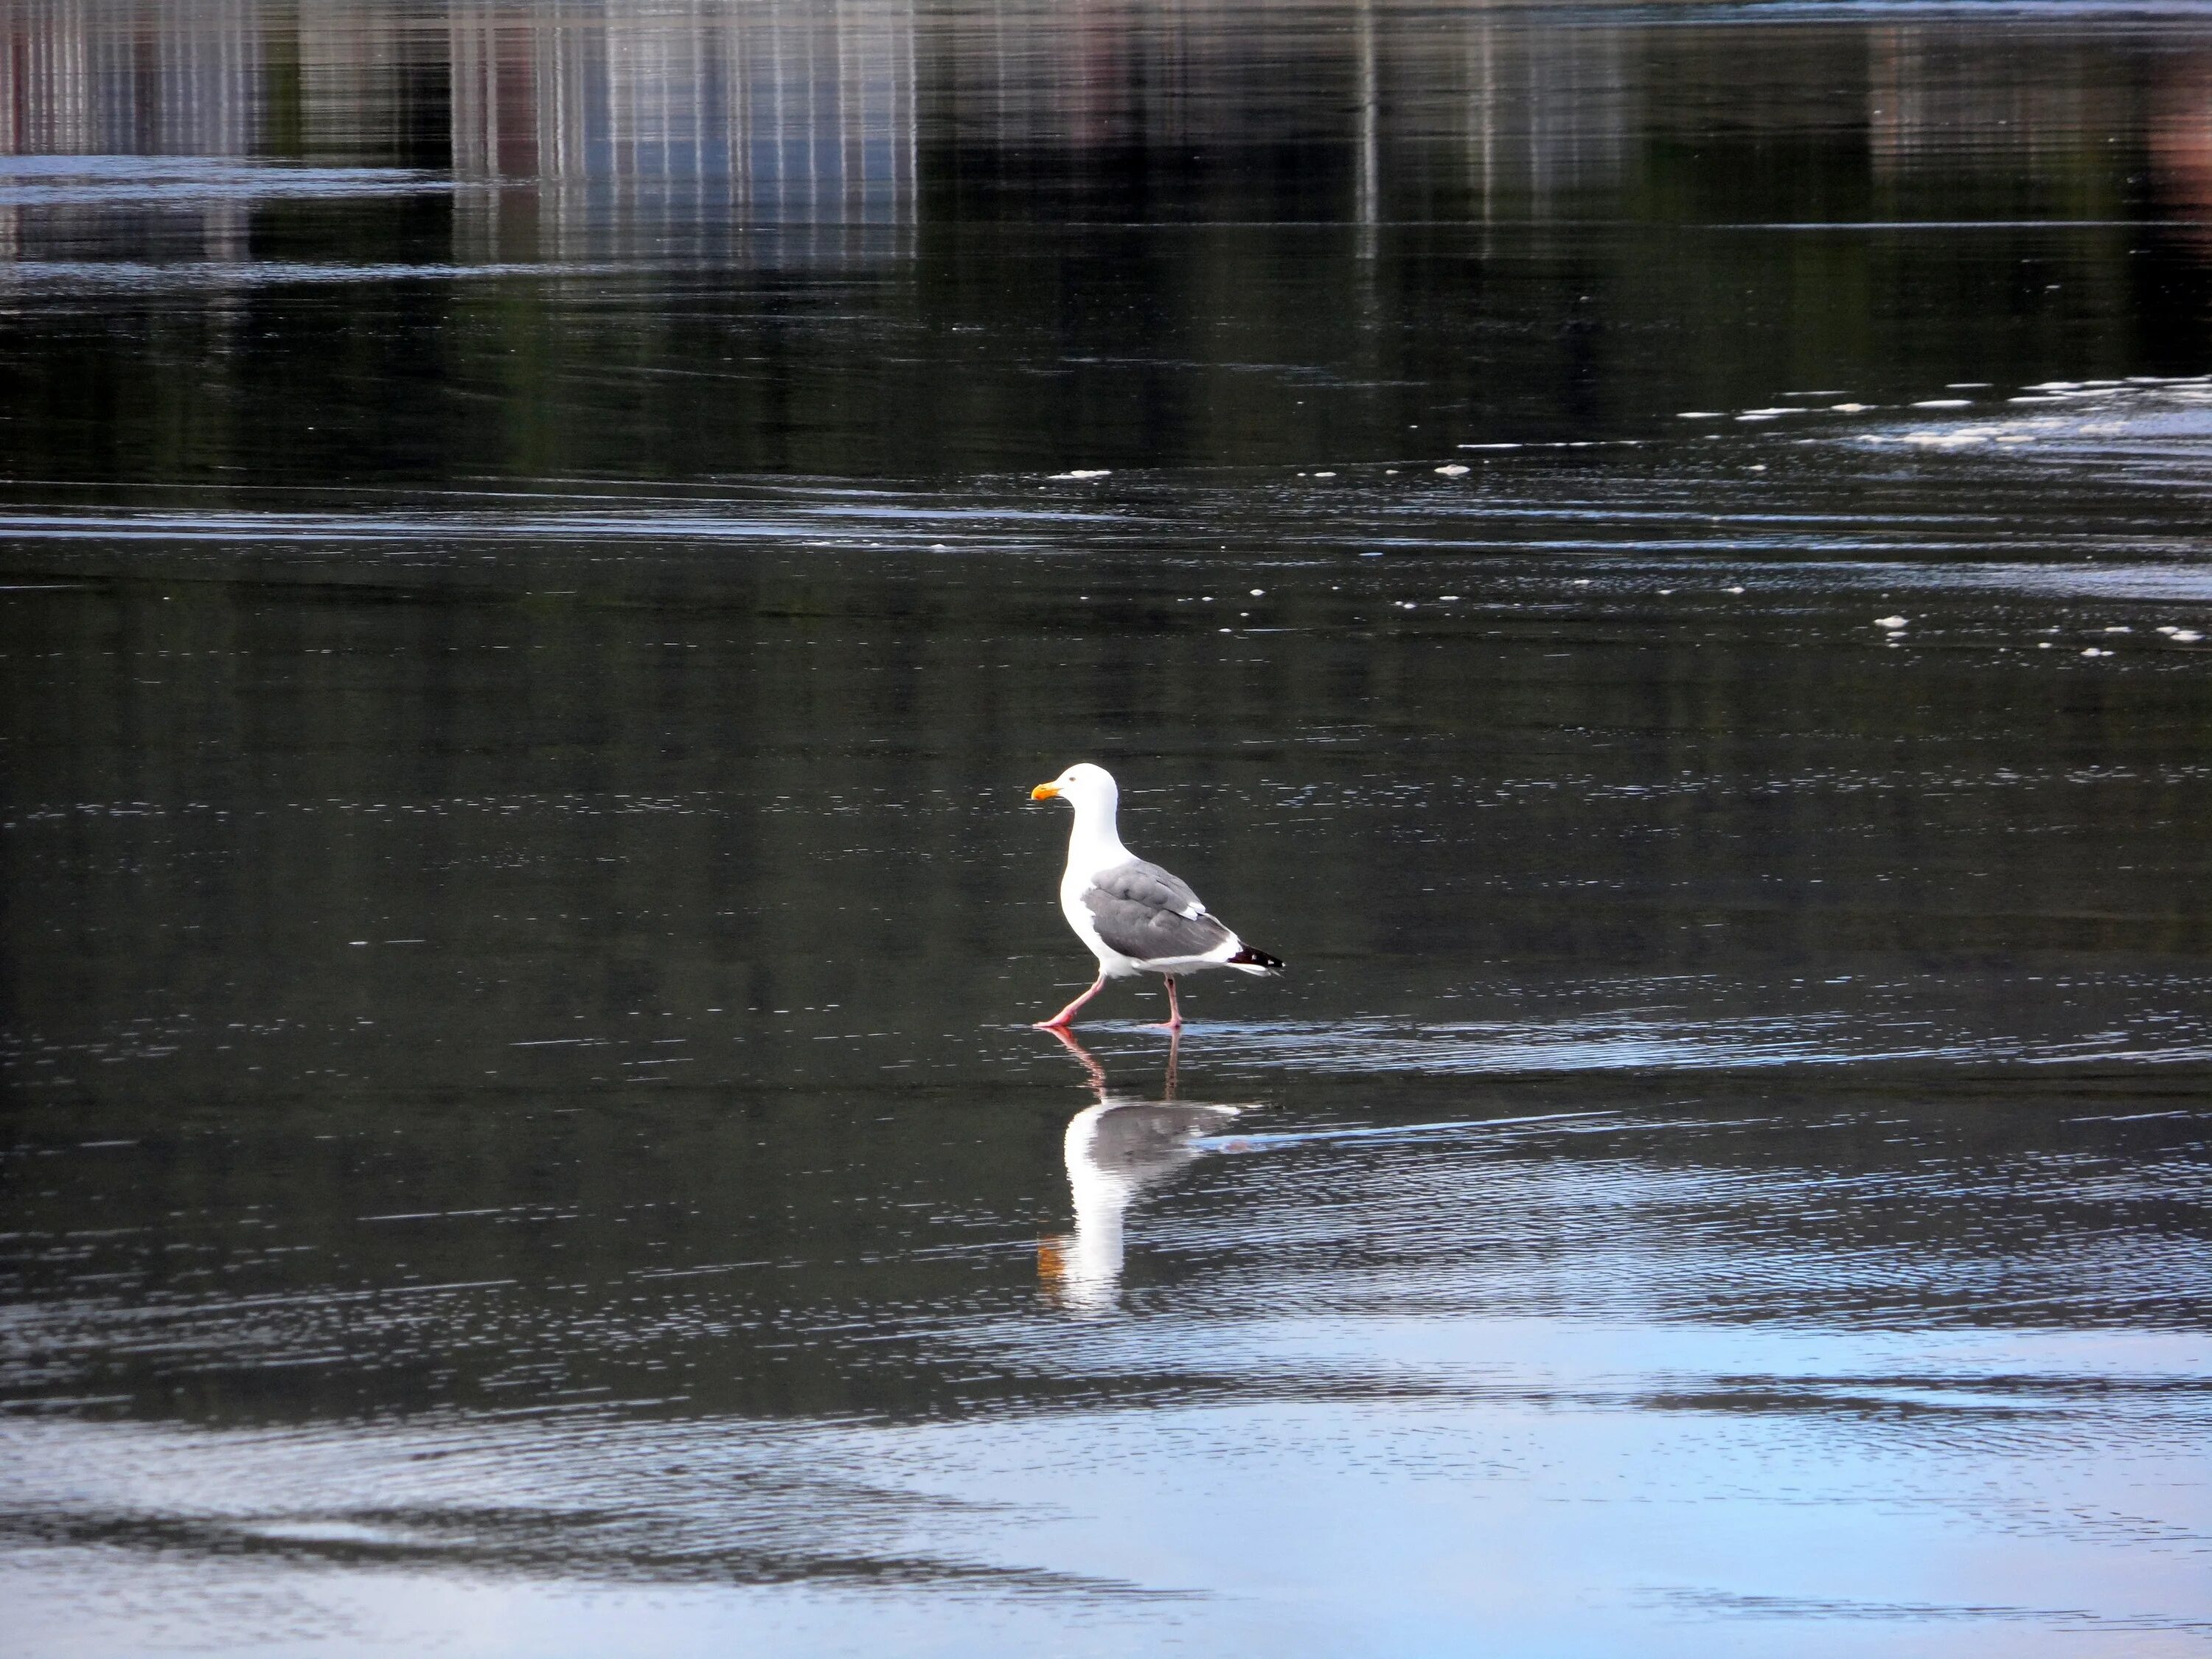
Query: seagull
{"points": [[1135, 917]]}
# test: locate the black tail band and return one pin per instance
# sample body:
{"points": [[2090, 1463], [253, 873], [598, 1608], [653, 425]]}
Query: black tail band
{"points": [[1250, 957]]}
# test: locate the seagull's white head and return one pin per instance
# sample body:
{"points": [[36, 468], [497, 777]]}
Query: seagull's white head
{"points": [[1083, 786]]}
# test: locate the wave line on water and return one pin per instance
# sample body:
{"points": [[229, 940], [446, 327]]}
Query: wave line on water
{"points": [[1568, 1046], [875, 528], [1628, 1044], [1269, 1138]]}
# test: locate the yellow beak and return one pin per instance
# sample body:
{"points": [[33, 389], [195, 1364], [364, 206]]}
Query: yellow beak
{"points": [[1045, 792]]}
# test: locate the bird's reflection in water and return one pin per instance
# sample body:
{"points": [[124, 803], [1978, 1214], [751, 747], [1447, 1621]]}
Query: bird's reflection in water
{"points": [[1115, 1150]]}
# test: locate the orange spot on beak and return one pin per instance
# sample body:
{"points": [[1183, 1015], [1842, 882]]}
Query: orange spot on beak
{"points": [[1044, 791]]}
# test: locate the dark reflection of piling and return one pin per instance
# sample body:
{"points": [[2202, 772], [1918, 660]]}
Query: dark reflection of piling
{"points": [[678, 135], [1115, 1150]]}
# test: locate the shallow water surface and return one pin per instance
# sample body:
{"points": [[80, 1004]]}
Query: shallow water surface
{"points": [[1657, 555]]}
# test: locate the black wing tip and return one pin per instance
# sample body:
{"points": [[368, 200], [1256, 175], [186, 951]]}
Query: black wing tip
{"points": [[1248, 958]]}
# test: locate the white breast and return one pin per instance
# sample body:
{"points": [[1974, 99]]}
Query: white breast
{"points": [[1072, 886]]}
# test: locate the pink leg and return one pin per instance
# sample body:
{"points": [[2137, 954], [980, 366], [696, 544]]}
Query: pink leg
{"points": [[1066, 1016], [1175, 1008]]}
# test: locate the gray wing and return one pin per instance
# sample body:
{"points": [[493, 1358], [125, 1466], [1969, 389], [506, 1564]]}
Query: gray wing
{"points": [[1149, 915], [1142, 1142]]}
